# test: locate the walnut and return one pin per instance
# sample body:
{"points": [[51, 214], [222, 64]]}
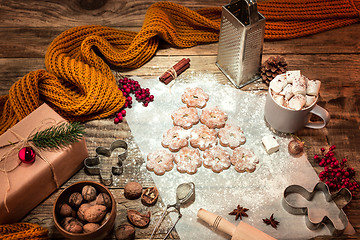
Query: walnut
{"points": [[138, 219], [125, 232], [75, 199], [103, 199], [150, 196], [81, 210], [95, 213], [90, 227], [132, 190], [89, 193], [295, 147], [66, 211], [72, 225]]}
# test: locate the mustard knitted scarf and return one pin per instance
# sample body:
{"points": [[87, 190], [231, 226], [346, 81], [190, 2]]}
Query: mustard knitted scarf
{"points": [[80, 86]]}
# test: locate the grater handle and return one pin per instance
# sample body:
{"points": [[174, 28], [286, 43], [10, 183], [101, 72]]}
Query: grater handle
{"points": [[253, 12], [251, 15]]}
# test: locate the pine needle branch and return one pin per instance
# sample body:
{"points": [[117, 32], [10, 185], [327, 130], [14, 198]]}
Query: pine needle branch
{"points": [[60, 136]]}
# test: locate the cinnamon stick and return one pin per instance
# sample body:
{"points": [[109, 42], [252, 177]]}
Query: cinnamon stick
{"points": [[179, 67], [182, 69]]}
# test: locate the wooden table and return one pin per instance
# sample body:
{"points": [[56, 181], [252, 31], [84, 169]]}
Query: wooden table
{"points": [[28, 27]]}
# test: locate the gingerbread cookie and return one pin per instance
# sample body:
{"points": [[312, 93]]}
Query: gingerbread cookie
{"points": [[188, 160], [195, 97], [160, 162], [213, 117], [231, 136], [185, 117], [217, 159], [175, 138], [244, 160], [203, 137]]}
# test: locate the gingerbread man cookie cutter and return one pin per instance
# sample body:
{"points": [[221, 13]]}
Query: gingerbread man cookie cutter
{"points": [[331, 215], [93, 164]]}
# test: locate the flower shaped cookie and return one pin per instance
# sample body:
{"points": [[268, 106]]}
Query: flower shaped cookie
{"points": [[231, 136], [244, 160], [213, 117], [203, 137], [195, 97], [217, 159], [188, 160], [160, 162], [175, 138], [185, 117]]}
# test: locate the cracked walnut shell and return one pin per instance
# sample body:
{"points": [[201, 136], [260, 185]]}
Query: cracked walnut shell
{"points": [[149, 196], [138, 219]]}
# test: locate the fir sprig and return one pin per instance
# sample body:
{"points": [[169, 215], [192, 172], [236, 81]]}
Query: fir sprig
{"points": [[59, 136]]}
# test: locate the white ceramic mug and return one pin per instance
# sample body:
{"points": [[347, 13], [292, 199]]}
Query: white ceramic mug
{"points": [[287, 120]]}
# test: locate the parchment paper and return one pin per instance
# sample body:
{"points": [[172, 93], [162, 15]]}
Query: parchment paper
{"points": [[261, 191]]}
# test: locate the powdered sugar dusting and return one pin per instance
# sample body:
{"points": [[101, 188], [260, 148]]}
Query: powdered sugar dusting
{"points": [[260, 191]]}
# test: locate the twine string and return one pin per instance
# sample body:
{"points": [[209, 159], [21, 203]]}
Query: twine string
{"points": [[15, 148], [174, 75]]}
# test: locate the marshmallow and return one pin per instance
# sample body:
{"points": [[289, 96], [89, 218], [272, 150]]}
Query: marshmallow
{"points": [[313, 87], [299, 85], [292, 75], [297, 102], [278, 83], [309, 100], [287, 92], [279, 99], [270, 144]]}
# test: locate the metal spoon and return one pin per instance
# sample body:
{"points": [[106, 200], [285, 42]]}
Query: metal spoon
{"points": [[184, 193]]}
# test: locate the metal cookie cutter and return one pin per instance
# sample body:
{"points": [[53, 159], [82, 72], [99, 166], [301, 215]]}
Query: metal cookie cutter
{"points": [[185, 193], [316, 214], [93, 165]]}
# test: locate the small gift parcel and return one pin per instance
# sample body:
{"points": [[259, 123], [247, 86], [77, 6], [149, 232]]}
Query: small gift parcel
{"points": [[23, 185]]}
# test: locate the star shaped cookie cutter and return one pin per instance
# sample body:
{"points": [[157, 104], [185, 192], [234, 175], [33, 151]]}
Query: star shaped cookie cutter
{"points": [[93, 164], [334, 217]]}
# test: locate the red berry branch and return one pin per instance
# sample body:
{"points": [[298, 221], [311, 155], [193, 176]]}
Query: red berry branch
{"points": [[129, 86], [336, 174]]}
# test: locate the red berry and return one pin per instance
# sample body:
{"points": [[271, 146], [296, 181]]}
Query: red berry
{"points": [[146, 104], [116, 120], [123, 112]]}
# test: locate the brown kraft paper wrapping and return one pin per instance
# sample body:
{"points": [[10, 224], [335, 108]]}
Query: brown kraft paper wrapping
{"points": [[30, 184]]}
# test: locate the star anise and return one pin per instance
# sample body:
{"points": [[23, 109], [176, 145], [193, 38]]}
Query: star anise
{"points": [[271, 221], [239, 212]]}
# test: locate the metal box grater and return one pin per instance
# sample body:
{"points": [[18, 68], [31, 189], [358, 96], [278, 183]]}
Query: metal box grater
{"points": [[241, 42]]}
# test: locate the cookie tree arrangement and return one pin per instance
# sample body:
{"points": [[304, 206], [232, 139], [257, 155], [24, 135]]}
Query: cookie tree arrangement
{"points": [[190, 146]]}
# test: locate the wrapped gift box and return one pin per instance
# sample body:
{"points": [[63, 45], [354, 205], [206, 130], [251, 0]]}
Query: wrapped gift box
{"points": [[23, 186]]}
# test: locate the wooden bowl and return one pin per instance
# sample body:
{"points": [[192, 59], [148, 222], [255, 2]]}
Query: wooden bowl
{"points": [[103, 230]]}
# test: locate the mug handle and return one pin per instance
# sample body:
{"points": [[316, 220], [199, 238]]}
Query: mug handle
{"points": [[323, 114]]}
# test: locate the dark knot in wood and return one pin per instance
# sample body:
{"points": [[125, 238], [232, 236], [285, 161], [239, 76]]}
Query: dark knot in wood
{"points": [[92, 4]]}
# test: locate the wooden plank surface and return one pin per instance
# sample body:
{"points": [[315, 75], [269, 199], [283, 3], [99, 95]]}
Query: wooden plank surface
{"points": [[28, 27]]}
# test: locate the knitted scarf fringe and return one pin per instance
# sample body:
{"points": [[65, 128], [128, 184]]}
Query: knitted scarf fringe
{"points": [[23, 231], [80, 86]]}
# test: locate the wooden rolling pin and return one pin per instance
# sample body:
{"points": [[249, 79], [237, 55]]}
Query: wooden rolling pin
{"points": [[242, 231]]}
